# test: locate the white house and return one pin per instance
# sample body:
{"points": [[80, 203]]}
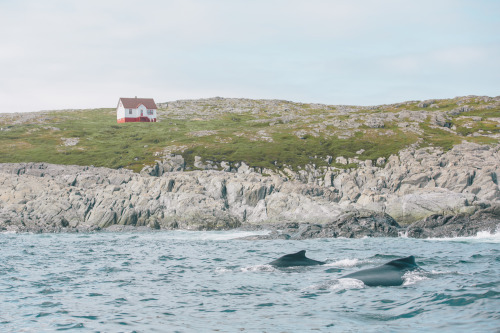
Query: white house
{"points": [[131, 110]]}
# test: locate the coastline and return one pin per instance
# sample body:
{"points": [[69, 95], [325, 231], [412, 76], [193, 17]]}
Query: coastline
{"points": [[420, 192]]}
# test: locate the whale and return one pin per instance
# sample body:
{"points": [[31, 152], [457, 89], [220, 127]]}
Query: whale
{"points": [[389, 274], [295, 259]]}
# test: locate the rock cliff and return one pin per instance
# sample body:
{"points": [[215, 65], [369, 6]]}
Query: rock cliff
{"points": [[417, 186]]}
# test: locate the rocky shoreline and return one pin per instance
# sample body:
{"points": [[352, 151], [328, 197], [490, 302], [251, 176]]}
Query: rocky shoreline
{"points": [[419, 193], [369, 224]]}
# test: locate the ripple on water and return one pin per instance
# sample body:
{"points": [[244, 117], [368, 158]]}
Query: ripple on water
{"points": [[49, 291], [148, 299], [413, 277], [265, 305], [205, 281], [87, 317], [345, 263], [258, 268], [339, 285], [382, 317], [94, 294], [464, 299], [50, 304], [71, 326]]}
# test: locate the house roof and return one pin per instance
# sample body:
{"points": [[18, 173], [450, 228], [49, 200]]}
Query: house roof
{"points": [[133, 103]]}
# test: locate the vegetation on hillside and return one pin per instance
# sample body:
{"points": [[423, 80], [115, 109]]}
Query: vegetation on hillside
{"points": [[261, 133]]}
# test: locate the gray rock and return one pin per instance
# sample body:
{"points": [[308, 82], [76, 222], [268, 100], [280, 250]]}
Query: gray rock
{"points": [[460, 109], [410, 187], [461, 225], [351, 225], [425, 104], [341, 160], [374, 123]]}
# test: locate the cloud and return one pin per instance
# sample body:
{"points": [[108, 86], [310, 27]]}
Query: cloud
{"points": [[450, 59], [462, 56], [70, 53]]}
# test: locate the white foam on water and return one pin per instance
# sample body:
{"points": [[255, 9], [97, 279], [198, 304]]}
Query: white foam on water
{"points": [[258, 268], [338, 285], [488, 235], [481, 236], [403, 234], [212, 235], [344, 263], [222, 270], [8, 232], [413, 277], [227, 235], [347, 283], [435, 273]]}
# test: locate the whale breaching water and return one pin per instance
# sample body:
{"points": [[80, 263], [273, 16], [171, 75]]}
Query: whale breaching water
{"points": [[295, 259], [389, 274]]}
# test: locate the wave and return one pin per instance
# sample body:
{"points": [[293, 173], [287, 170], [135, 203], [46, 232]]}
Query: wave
{"points": [[345, 263], [246, 269], [413, 277], [339, 285], [222, 270], [480, 237], [258, 268], [209, 235], [8, 232], [226, 235], [347, 283]]}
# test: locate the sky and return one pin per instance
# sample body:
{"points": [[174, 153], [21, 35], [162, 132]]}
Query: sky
{"points": [[67, 54]]}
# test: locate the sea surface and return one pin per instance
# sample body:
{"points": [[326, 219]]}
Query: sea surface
{"points": [[180, 281]]}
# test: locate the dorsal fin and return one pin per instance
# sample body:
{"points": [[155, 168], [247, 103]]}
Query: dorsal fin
{"points": [[406, 261], [300, 254]]}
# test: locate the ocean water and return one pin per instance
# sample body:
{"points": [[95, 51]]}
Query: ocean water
{"points": [[178, 281]]}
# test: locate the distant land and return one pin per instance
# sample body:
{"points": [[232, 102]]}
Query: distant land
{"points": [[270, 134], [419, 168]]}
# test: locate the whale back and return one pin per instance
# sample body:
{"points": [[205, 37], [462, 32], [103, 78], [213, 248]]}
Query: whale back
{"points": [[403, 262], [299, 255], [295, 259], [389, 274]]}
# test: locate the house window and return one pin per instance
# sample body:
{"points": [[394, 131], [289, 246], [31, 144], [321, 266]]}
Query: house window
{"points": [[150, 112], [129, 111]]}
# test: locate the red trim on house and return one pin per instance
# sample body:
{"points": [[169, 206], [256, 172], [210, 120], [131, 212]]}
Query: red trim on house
{"points": [[136, 120]]}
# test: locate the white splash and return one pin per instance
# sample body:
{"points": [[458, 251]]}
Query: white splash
{"points": [[258, 268], [211, 235], [488, 235], [481, 237], [413, 277], [8, 232], [403, 234], [227, 235], [338, 285], [344, 263], [222, 270], [347, 283]]}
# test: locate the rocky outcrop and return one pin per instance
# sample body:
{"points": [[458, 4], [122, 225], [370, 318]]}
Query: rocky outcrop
{"points": [[421, 186], [460, 225], [409, 186], [352, 225], [44, 197]]}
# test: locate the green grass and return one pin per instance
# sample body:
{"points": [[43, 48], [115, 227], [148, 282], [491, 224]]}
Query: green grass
{"points": [[230, 137], [438, 137]]}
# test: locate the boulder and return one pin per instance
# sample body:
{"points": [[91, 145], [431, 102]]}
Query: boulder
{"points": [[460, 225]]}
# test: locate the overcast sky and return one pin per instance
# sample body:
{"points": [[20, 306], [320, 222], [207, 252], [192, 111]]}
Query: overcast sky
{"points": [[88, 53]]}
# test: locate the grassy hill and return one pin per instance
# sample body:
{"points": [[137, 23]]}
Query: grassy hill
{"points": [[262, 133]]}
